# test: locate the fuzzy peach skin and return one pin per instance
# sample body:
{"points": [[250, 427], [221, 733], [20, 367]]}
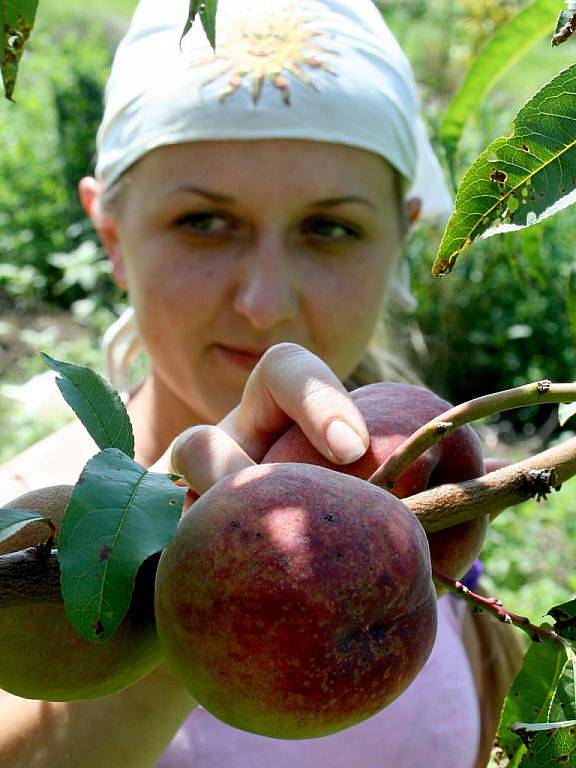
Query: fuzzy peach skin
{"points": [[295, 601], [392, 412]]}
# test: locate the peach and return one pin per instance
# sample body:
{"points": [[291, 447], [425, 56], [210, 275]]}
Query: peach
{"points": [[392, 412], [295, 601], [43, 656]]}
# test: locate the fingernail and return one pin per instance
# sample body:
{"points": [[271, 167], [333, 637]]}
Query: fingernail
{"points": [[344, 443]]}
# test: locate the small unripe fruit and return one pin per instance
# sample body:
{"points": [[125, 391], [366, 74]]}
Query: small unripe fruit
{"points": [[43, 656]]}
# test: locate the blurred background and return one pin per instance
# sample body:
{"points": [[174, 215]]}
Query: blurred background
{"points": [[504, 317]]}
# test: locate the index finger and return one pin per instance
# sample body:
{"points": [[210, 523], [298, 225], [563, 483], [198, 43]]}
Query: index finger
{"points": [[291, 384]]}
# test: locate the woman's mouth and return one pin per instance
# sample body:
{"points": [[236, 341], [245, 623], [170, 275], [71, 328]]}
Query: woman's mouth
{"points": [[240, 356]]}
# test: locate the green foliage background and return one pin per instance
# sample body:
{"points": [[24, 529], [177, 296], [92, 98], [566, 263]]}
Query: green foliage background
{"points": [[505, 316]]}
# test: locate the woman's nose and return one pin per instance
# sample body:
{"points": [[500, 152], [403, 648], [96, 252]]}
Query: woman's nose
{"points": [[267, 291]]}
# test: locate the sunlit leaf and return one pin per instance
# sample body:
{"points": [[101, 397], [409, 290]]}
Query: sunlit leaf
{"points": [[551, 748], [13, 520], [519, 180], [118, 516], [17, 17], [96, 403], [506, 47], [531, 695], [565, 412]]}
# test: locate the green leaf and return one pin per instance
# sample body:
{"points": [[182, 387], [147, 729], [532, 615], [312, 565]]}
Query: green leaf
{"points": [[531, 695], [506, 47], [97, 405], [13, 520], [208, 18], [118, 516], [207, 11], [17, 17], [551, 749], [565, 617], [519, 180]]}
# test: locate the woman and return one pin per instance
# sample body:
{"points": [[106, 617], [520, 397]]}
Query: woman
{"points": [[254, 206]]}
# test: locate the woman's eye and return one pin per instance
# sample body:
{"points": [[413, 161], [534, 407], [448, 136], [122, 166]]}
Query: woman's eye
{"points": [[328, 229], [204, 223]]}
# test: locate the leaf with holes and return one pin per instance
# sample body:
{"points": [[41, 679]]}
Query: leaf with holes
{"points": [[118, 516], [506, 47], [519, 180], [551, 748], [17, 18], [96, 403]]}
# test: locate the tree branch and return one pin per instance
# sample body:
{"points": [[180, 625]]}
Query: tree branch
{"points": [[447, 505], [495, 607], [33, 576], [537, 393]]}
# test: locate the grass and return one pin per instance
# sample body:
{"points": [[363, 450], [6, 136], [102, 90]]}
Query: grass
{"points": [[529, 555]]}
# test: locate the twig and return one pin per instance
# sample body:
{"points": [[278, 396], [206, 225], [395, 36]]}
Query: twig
{"points": [[447, 505], [495, 607], [537, 393]]}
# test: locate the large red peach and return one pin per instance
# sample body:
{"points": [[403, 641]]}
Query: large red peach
{"points": [[392, 412], [295, 601]]}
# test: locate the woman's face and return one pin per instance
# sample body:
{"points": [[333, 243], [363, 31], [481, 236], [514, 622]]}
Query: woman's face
{"points": [[227, 248]]}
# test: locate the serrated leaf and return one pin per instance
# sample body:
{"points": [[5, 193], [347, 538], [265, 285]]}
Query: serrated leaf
{"points": [[206, 9], [535, 167], [530, 695], [506, 47], [96, 403], [551, 749], [17, 18], [13, 520], [118, 516]]}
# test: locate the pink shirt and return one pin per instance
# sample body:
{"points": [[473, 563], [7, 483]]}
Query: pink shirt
{"points": [[435, 723]]}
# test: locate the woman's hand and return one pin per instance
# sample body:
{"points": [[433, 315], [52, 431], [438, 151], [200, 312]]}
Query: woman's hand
{"points": [[289, 384]]}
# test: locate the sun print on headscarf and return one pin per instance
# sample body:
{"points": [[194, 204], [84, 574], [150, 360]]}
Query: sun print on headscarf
{"points": [[268, 46]]}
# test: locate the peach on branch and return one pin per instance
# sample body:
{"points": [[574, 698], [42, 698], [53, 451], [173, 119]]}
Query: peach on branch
{"points": [[295, 601], [392, 412], [43, 656]]}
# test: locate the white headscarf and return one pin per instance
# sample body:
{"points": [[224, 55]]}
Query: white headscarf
{"points": [[346, 78], [321, 70]]}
